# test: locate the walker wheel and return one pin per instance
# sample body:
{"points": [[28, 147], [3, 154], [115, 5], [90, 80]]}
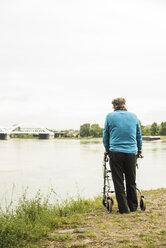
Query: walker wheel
{"points": [[142, 203], [109, 205], [104, 202]]}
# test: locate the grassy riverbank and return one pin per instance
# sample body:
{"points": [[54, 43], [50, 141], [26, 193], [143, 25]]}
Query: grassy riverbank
{"points": [[163, 138], [83, 223]]}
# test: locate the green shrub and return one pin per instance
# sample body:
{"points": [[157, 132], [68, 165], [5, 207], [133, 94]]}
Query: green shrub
{"points": [[32, 219]]}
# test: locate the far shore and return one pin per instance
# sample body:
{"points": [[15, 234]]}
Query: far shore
{"points": [[162, 137]]}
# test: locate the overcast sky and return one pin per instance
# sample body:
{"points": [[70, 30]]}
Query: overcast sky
{"points": [[63, 61]]}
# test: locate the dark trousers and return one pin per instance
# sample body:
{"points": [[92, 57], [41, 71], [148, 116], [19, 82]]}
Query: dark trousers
{"points": [[123, 167]]}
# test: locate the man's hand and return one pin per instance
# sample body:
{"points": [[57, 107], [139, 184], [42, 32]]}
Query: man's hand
{"points": [[105, 153], [139, 153]]}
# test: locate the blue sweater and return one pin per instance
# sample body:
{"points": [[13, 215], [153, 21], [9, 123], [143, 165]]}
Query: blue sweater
{"points": [[122, 132]]}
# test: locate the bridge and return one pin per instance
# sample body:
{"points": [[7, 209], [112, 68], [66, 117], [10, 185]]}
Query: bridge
{"points": [[26, 128]]}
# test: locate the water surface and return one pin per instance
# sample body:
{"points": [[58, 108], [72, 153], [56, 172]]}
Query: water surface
{"points": [[70, 167]]}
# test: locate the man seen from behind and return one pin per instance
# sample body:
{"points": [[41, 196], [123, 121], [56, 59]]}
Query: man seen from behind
{"points": [[122, 140]]}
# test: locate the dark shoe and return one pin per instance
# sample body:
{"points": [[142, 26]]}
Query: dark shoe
{"points": [[122, 212], [133, 210]]}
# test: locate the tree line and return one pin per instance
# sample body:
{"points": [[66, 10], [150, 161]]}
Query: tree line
{"points": [[154, 129], [94, 130]]}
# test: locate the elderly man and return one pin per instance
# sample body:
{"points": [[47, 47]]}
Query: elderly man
{"points": [[123, 143]]}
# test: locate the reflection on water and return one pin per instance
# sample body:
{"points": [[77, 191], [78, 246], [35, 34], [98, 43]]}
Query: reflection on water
{"points": [[90, 142], [70, 167]]}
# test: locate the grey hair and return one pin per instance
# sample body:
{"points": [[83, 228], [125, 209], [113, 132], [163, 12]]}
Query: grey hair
{"points": [[119, 103]]}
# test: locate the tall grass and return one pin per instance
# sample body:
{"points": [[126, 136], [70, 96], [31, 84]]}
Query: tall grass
{"points": [[34, 218]]}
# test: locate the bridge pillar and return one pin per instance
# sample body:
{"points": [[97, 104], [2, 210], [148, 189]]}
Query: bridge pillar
{"points": [[4, 136], [44, 136]]}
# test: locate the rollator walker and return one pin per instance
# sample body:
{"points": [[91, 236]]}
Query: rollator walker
{"points": [[107, 191]]}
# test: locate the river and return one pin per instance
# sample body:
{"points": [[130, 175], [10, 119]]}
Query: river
{"points": [[69, 167]]}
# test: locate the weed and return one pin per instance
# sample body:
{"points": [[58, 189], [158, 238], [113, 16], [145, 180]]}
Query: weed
{"points": [[78, 246], [81, 236], [125, 240], [33, 218], [63, 237], [163, 232], [124, 226]]}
